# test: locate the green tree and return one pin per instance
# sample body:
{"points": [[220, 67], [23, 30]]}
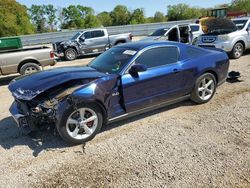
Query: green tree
{"points": [[240, 5], [37, 13], [60, 17], [182, 12], [120, 15], [79, 17], [159, 17], [14, 19], [72, 18], [51, 15], [92, 21], [105, 18], [88, 14], [150, 19], [137, 16]]}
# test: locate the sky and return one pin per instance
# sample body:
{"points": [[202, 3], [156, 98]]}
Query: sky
{"points": [[150, 6]]}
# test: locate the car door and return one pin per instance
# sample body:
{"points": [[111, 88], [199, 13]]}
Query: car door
{"points": [[185, 34], [162, 81], [100, 41], [86, 42], [173, 34]]}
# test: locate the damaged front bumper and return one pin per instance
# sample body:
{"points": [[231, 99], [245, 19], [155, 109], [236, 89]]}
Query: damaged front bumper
{"points": [[19, 118], [32, 118]]}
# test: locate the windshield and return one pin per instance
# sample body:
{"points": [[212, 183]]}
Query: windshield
{"points": [[240, 23], [113, 60], [159, 32], [76, 36]]}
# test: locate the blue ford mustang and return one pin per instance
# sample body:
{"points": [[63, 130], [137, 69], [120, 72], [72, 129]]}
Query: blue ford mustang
{"points": [[124, 81]]}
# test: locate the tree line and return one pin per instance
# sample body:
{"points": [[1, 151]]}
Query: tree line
{"points": [[17, 19], [48, 18]]}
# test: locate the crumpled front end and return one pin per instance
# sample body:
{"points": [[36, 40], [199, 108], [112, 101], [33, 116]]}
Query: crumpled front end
{"points": [[60, 47], [34, 113], [35, 109]]}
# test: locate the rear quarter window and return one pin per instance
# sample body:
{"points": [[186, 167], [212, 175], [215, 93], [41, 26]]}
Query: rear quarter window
{"points": [[194, 52], [98, 33]]}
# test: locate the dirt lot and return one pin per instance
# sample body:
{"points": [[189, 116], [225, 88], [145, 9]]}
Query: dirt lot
{"points": [[184, 145]]}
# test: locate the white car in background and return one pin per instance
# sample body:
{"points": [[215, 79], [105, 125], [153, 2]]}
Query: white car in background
{"points": [[178, 33], [234, 40], [196, 30]]}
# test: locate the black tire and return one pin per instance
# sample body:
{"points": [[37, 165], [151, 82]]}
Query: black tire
{"points": [[70, 54], [237, 51], [29, 68], [119, 43], [197, 94], [62, 126]]}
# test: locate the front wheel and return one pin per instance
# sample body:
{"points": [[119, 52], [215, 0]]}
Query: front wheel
{"points": [[81, 124], [204, 89], [70, 54]]}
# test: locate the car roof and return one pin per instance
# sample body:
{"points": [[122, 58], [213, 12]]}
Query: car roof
{"points": [[144, 44], [194, 24], [242, 18], [163, 28], [89, 30]]}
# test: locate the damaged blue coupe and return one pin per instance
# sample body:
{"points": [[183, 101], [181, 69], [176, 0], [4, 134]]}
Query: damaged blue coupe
{"points": [[124, 81]]}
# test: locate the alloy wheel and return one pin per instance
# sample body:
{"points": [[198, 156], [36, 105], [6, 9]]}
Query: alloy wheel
{"points": [[71, 54], [238, 51], [30, 70], [82, 123], [206, 88]]}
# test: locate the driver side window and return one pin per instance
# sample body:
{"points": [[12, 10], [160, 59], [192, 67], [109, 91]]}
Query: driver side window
{"points": [[158, 56], [87, 35]]}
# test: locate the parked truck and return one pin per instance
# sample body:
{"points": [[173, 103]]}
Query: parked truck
{"points": [[89, 42], [25, 60]]}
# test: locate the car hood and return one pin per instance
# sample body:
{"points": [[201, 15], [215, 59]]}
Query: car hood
{"points": [[28, 87], [217, 26], [66, 43]]}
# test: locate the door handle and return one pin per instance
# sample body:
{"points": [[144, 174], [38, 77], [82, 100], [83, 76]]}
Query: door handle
{"points": [[176, 71]]}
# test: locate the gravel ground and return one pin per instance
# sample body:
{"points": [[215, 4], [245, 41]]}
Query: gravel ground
{"points": [[183, 145]]}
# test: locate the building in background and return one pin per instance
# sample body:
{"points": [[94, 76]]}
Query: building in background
{"points": [[223, 12]]}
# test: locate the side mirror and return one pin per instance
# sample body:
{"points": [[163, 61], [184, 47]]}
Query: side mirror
{"points": [[248, 29], [82, 39], [137, 68]]}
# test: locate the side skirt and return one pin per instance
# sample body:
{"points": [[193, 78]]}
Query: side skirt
{"points": [[157, 106]]}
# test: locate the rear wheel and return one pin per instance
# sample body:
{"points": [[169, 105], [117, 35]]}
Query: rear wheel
{"points": [[70, 54], [237, 51], [29, 68], [204, 89], [119, 43], [81, 124]]}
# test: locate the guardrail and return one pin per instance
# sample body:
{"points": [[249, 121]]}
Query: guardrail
{"points": [[136, 30]]}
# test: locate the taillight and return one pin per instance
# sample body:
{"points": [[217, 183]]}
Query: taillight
{"points": [[130, 36], [52, 54]]}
